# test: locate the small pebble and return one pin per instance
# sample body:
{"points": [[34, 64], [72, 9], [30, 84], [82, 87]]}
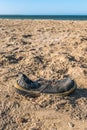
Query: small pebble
{"points": [[70, 124]]}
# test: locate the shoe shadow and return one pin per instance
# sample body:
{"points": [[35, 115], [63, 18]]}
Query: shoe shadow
{"points": [[79, 93]]}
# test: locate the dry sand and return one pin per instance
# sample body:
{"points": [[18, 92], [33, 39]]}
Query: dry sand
{"points": [[43, 49]]}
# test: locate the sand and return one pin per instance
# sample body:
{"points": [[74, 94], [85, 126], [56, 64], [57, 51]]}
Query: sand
{"points": [[43, 49]]}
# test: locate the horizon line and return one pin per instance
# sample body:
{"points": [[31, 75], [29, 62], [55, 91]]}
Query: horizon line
{"points": [[46, 14]]}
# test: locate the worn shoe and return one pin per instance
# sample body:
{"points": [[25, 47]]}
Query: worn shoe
{"points": [[34, 88]]}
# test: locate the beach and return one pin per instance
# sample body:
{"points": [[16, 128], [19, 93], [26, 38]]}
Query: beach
{"points": [[49, 49]]}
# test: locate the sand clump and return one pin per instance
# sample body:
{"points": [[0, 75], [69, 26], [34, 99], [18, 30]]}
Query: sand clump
{"points": [[43, 49]]}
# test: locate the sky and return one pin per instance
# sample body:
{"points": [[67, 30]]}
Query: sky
{"points": [[44, 7]]}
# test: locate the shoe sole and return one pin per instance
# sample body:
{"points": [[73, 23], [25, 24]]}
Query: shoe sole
{"points": [[32, 93]]}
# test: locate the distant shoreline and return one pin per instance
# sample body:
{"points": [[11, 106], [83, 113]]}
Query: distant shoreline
{"points": [[45, 17]]}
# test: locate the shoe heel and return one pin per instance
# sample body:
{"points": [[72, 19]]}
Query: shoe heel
{"points": [[23, 93]]}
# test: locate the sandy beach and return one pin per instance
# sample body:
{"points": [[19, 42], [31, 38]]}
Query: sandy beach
{"points": [[48, 49]]}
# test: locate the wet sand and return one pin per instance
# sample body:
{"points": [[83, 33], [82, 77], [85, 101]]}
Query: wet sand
{"points": [[43, 49]]}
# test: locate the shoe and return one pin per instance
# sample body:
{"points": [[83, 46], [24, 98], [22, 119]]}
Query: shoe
{"points": [[34, 88]]}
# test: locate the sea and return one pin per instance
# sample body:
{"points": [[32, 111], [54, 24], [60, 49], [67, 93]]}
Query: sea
{"points": [[45, 17]]}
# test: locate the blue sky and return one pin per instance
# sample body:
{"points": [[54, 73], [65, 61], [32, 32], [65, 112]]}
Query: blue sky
{"points": [[46, 7]]}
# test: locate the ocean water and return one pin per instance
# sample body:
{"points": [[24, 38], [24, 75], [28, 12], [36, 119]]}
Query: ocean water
{"points": [[52, 17]]}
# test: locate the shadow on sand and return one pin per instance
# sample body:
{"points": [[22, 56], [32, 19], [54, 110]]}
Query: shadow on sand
{"points": [[79, 93]]}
